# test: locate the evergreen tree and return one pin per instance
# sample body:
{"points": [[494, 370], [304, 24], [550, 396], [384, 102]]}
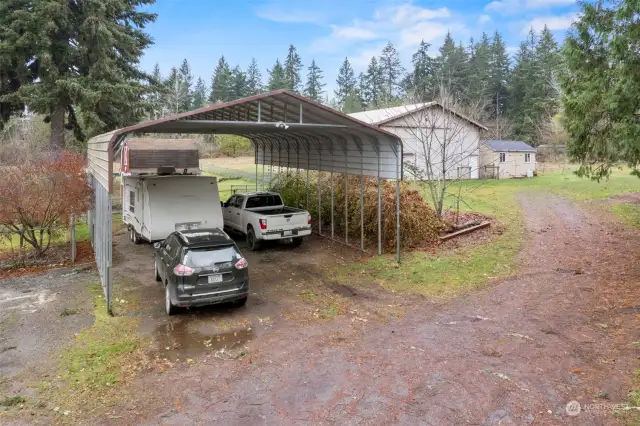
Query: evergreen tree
{"points": [[175, 93], [421, 82], [277, 78], [391, 70], [346, 82], [85, 58], [452, 68], [221, 82], [372, 87], [521, 78], [292, 67], [186, 83], [479, 71], [352, 103], [254, 78], [16, 67], [314, 82], [156, 97], [601, 87], [239, 87], [499, 76], [199, 94]]}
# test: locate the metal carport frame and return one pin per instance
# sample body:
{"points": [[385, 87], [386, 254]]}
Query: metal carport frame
{"points": [[286, 129]]}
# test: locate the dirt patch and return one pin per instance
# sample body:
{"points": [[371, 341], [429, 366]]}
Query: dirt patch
{"points": [[627, 197]]}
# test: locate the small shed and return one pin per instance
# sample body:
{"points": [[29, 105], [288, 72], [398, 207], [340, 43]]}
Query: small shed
{"points": [[141, 156], [506, 159]]}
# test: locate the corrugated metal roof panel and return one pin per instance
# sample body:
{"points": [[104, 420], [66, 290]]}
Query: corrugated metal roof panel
{"points": [[508, 146], [376, 116]]}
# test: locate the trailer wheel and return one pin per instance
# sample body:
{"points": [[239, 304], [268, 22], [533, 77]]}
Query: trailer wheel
{"points": [[131, 231], [252, 241], [135, 237], [155, 266]]}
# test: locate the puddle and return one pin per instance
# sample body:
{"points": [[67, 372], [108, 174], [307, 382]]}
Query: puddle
{"points": [[176, 340]]}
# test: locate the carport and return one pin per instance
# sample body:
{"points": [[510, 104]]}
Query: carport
{"points": [[287, 130]]}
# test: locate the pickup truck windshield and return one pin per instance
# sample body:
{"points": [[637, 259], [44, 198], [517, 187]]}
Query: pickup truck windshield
{"points": [[266, 200]]}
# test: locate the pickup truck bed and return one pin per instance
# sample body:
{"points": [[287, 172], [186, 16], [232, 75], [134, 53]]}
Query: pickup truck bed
{"points": [[263, 216]]}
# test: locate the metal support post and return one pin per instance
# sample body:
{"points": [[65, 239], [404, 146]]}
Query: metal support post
{"points": [[346, 202], [332, 227], [361, 203], [398, 206], [379, 210]]}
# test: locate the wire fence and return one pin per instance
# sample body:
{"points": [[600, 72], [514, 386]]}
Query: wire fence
{"points": [[57, 244]]}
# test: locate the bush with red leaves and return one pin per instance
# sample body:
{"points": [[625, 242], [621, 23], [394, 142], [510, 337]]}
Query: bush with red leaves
{"points": [[40, 195]]}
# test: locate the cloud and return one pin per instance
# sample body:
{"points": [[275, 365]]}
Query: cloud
{"points": [[402, 23], [513, 7], [353, 32], [278, 13], [483, 19], [554, 23]]}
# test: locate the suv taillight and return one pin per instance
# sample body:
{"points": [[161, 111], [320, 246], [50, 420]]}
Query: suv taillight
{"points": [[309, 220], [242, 263], [182, 271], [263, 224]]}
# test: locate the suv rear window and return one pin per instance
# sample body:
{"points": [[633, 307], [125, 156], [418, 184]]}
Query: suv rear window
{"points": [[263, 201], [199, 258]]}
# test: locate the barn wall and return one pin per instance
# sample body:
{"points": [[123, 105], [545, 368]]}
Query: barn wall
{"points": [[461, 153]]}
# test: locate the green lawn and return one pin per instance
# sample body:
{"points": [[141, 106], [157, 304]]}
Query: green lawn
{"points": [[447, 274], [227, 184]]}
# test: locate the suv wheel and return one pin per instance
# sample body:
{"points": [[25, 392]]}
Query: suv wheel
{"points": [[155, 266], [240, 302], [252, 241], [170, 309]]}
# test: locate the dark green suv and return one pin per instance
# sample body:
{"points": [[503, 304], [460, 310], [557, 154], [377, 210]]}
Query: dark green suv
{"points": [[201, 267]]}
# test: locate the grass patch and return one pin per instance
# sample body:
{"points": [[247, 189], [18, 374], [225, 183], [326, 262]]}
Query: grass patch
{"points": [[231, 183], [447, 274], [12, 401], [326, 305], [97, 361], [629, 213], [67, 312]]}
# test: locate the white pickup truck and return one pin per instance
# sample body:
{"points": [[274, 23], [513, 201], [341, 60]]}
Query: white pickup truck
{"points": [[263, 216]]}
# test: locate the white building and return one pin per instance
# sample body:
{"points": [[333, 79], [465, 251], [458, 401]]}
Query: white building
{"points": [[436, 140]]}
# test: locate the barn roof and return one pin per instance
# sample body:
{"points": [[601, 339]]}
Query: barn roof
{"points": [[509, 146], [382, 116]]}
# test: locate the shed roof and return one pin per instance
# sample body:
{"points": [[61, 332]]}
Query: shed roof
{"points": [[383, 116], [162, 144], [509, 146]]}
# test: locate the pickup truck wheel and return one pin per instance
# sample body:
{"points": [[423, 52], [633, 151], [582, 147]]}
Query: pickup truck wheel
{"points": [[297, 241], [252, 241]]}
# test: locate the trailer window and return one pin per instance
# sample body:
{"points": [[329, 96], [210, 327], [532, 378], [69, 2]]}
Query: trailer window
{"points": [[266, 200], [132, 201]]}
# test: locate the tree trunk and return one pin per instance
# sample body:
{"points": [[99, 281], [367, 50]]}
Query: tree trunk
{"points": [[57, 127]]}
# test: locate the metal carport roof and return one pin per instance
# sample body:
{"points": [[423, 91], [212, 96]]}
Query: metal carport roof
{"points": [[287, 130]]}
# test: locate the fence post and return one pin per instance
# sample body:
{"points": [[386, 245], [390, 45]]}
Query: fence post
{"points": [[72, 237]]}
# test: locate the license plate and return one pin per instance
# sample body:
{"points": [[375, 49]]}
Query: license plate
{"points": [[287, 233], [215, 279]]}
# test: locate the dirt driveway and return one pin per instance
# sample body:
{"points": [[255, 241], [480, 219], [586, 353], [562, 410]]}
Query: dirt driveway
{"points": [[308, 350]]}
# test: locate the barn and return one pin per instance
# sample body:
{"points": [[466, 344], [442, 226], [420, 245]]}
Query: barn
{"points": [[437, 141]]}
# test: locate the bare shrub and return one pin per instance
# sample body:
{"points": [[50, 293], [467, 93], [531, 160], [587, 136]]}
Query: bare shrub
{"points": [[419, 225], [40, 195]]}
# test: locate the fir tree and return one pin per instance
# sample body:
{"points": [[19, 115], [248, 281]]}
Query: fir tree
{"points": [[372, 86], [292, 67], [186, 83], [221, 82], [314, 85], [156, 97], [479, 71], [254, 78], [601, 87], [277, 78], [499, 76], [346, 82], [84, 59], [238, 84], [421, 82], [391, 70], [199, 94]]}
